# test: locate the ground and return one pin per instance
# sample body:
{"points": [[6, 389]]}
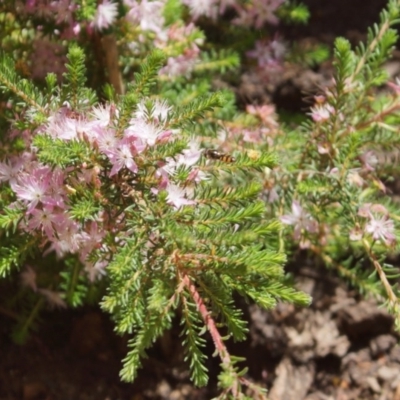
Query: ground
{"points": [[343, 347]]}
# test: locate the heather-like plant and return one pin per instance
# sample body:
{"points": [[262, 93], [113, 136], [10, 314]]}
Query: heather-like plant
{"points": [[123, 190], [158, 203], [332, 187]]}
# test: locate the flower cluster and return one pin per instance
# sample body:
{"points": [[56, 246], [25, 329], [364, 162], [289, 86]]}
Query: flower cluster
{"points": [[45, 193], [257, 13], [269, 55]]}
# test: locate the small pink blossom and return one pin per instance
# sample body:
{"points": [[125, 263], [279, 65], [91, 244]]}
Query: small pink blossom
{"points": [[148, 132], [122, 157], [54, 299], [270, 195], [97, 270], [69, 236], [323, 148], [33, 188], [356, 233], [43, 219], [28, 278], [191, 155], [354, 178], [199, 8], [395, 86], [268, 54], [177, 196], [102, 114], [106, 15], [365, 210], [65, 125], [370, 160], [301, 220], [258, 12], [265, 112], [381, 228], [93, 240], [105, 139], [321, 113], [183, 64], [10, 169], [148, 15], [196, 176]]}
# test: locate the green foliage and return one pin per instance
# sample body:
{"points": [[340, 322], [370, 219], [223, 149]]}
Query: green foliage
{"points": [[73, 283], [292, 11], [327, 172], [74, 89], [147, 77], [13, 253], [86, 9], [9, 219], [308, 54], [220, 61], [193, 341], [57, 152], [22, 90], [173, 11]]}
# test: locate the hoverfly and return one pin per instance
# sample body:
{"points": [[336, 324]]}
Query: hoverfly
{"points": [[219, 156]]}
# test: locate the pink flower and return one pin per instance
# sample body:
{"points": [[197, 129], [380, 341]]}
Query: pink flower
{"points": [[268, 54], [10, 169], [148, 14], [97, 270], [182, 65], [69, 236], [34, 188], [196, 176], [43, 219], [28, 278], [122, 157], [65, 125], [93, 239], [102, 114], [191, 155], [198, 8], [354, 178], [381, 228], [105, 139], [53, 298], [356, 233], [259, 12], [395, 86], [370, 160], [301, 220], [177, 196], [106, 14], [265, 112], [147, 132], [321, 113]]}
